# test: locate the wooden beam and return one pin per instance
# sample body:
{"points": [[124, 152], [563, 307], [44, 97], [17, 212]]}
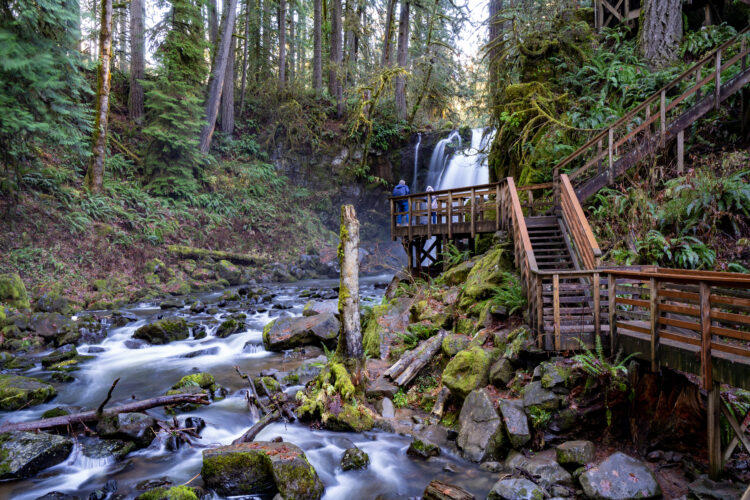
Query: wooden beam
{"points": [[556, 306], [654, 316], [739, 432], [717, 82], [680, 151], [705, 329], [597, 305], [714, 432], [611, 304]]}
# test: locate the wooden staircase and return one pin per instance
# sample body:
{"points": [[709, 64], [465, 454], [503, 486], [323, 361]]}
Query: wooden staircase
{"points": [[549, 243]]}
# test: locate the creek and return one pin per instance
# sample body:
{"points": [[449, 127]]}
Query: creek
{"points": [[151, 370]]}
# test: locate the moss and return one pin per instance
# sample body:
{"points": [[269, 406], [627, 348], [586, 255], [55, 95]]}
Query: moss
{"points": [[65, 366], [271, 384], [350, 418], [466, 326], [228, 327], [174, 493], [342, 382], [454, 343], [355, 459], [266, 332], [55, 412], [291, 378], [373, 334], [219, 466], [19, 392], [13, 291], [202, 379], [468, 370]]}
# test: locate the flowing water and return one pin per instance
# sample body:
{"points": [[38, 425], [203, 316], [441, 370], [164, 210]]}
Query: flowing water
{"points": [[151, 371], [452, 165], [416, 163]]}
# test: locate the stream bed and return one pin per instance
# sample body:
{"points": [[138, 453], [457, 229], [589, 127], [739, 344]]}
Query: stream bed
{"points": [[151, 370]]}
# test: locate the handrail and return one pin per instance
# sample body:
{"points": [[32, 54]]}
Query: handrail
{"points": [[580, 230], [422, 194], [608, 132]]}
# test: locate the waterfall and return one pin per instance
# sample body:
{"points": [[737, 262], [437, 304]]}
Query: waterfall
{"points": [[461, 166], [416, 163]]}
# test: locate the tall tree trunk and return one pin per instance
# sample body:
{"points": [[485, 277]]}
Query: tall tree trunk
{"points": [[335, 86], [495, 32], [403, 53], [227, 94], [281, 17], [318, 45], [245, 47], [660, 33], [216, 81], [95, 176], [213, 25], [266, 22], [137, 59], [388, 39], [301, 53], [292, 45], [348, 40], [350, 338]]}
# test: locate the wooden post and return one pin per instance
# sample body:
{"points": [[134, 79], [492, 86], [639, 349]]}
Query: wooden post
{"points": [[713, 408], [601, 15], [663, 118], [717, 78], [556, 309], [611, 283], [350, 337], [705, 307], [450, 216], [654, 312], [680, 151], [393, 220], [610, 152], [597, 305], [497, 208], [411, 220], [556, 186], [540, 311], [473, 213], [699, 91], [648, 116], [599, 150], [429, 216]]}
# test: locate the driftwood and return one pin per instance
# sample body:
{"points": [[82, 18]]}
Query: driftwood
{"points": [[409, 365], [261, 424], [252, 389], [283, 409], [438, 490], [93, 416], [439, 407], [185, 252]]}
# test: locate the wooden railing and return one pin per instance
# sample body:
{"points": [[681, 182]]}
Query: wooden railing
{"points": [[659, 118], [586, 247], [608, 13]]}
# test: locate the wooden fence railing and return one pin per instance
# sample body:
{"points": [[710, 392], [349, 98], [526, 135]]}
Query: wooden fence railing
{"points": [[584, 242], [659, 118], [608, 13]]}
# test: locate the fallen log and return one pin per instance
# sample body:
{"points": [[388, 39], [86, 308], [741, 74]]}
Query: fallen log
{"points": [[439, 407], [252, 388], [185, 252], [438, 490], [279, 406], [261, 424], [417, 359], [94, 415]]}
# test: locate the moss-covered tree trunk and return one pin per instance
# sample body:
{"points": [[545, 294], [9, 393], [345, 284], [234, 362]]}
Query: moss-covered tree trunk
{"points": [[350, 338], [660, 33], [95, 175], [318, 45]]}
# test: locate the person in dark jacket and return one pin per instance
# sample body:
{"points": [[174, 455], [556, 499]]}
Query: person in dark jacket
{"points": [[402, 189]]}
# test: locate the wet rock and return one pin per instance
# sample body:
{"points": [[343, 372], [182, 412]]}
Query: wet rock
{"points": [[306, 371], [467, 371], [348, 419], [228, 271], [58, 411], [23, 454], [493, 467], [57, 495], [94, 350], [380, 387], [21, 392], [480, 435], [197, 307], [501, 372], [516, 423], [53, 302], [94, 448], [575, 453], [120, 319], [515, 489], [548, 471], [454, 343], [705, 489], [438, 490], [209, 351], [201, 382], [257, 467], [195, 423], [172, 303], [163, 331], [159, 482], [181, 492], [354, 459], [287, 333], [229, 327], [457, 275], [135, 344], [271, 384], [386, 408], [314, 307], [554, 375], [620, 477], [63, 353], [51, 325], [421, 448], [13, 291], [534, 395], [135, 427]]}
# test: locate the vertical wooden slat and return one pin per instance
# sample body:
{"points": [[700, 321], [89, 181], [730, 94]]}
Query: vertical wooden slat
{"points": [[717, 78], [662, 117], [597, 305], [612, 298], [705, 307], [680, 151], [450, 216], [610, 153], [556, 309], [539, 312], [411, 220], [599, 150], [648, 115], [699, 92], [714, 431], [473, 213], [497, 208], [556, 186], [654, 317], [393, 220], [429, 216]]}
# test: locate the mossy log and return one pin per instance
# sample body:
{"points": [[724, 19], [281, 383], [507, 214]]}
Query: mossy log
{"points": [[93, 416], [252, 432], [185, 252], [403, 371], [438, 490]]}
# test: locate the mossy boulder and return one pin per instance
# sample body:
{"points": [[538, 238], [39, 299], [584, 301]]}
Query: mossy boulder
{"points": [[424, 310], [349, 418], [537, 397], [467, 371], [271, 384], [313, 307], [575, 453], [181, 492], [288, 333], [457, 274], [354, 459], [53, 301], [501, 372], [228, 271], [23, 454], [13, 291], [454, 343], [488, 271], [261, 467], [21, 392], [59, 355], [229, 327], [421, 448], [555, 375], [481, 434], [163, 331], [136, 427], [203, 380], [466, 326]]}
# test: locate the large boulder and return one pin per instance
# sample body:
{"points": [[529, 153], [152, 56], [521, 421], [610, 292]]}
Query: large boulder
{"points": [[51, 325], [136, 427], [96, 449], [480, 435], [163, 331], [23, 454], [288, 333], [354, 459], [575, 453], [261, 467], [515, 489], [314, 307], [64, 353], [620, 477], [467, 371], [457, 274], [454, 343], [516, 423], [230, 327], [21, 392], [501, 372], [181, 492], [228, 271], [53, 302], [13, 291], [536, 396], [488, 272]]}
